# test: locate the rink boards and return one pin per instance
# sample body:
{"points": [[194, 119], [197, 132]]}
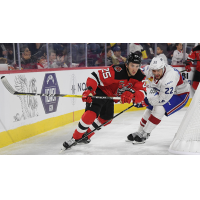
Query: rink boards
{"points": [[22, 117]]}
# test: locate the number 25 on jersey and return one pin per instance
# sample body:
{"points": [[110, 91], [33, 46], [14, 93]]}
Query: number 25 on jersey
{"points": [[106, 73]]}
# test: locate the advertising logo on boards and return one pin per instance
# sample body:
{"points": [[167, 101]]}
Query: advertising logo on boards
{"points": [[50, 86]]}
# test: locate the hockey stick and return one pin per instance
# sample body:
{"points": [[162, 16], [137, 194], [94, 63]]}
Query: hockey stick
{"points": [[186, 70], [96, 128], [12, 91]]}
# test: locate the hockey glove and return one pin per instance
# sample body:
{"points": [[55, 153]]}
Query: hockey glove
{"points": [[146, 101], [126, 97], [141, 105], [139, 97], [116, 101], [188, 67], [85, 95]]}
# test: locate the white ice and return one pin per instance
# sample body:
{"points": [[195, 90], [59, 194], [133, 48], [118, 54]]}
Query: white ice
{"points": [[111, 140]]}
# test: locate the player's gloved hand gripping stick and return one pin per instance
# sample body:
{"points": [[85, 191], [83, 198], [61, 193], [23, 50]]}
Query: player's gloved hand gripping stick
{"points": [[12, 91]]}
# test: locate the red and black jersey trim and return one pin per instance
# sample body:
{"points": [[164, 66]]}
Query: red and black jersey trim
{"points": [[96, 77], [139, 76]]}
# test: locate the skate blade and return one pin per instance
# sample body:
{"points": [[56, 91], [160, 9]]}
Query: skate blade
{"points": [[136, 143], [62, 150], [128, 141]]}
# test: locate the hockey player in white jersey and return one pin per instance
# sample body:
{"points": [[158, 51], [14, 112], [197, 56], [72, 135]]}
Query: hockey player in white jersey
{"points": [[172, 95]]}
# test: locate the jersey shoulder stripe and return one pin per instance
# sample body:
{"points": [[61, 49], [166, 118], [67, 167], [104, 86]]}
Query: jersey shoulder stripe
{"points": [[96, 77]]}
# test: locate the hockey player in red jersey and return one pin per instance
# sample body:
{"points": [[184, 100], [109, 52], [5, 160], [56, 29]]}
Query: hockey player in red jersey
{"points": [[194, 55], [125, 80]]}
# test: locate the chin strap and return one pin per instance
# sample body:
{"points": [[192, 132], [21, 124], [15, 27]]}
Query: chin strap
{"points": [[128, 71]]}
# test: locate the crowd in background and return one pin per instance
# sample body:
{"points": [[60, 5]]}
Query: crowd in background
{"points": [[64, 55]]}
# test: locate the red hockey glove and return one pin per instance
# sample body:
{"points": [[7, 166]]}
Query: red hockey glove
{"points": [[116, 101], [85, 95], [188, 67], [139, 97], [126, 97]]}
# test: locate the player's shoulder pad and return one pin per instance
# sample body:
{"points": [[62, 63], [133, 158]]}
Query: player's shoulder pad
{"points": [[139, 75], [118, 68], [120, 71], [197, 48]]}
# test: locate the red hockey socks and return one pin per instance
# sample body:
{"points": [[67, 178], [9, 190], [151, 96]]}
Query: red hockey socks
{"points": [[86, 120], [144, 119], [97, 122]]}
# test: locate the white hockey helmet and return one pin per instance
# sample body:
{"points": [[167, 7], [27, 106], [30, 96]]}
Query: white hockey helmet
{"points": [[157, 63]]}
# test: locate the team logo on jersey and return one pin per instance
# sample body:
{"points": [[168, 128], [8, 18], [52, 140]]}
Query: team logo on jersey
{"points": [[169, 82], [151, 78], [118, 69], [122, 88]]}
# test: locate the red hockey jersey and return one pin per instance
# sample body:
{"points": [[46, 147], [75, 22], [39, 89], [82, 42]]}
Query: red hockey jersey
{"points": [[195, 55], [114, 80]]}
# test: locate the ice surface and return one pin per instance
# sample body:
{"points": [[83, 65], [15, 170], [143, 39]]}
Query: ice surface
{"points": [[111, 140]]}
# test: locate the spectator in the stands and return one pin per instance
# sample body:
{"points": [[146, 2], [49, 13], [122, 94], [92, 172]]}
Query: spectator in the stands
{"points": [[67, 59], [61, 59], [101, 60], [3, 50], [6, 51], [37, 49], [117, 58], [177, 58], [27, 62], [42, 62], [148, 47], [52, 56], [109, 47], [52, 59], [3, 64], [170, 50], [56, 61], [133, 47], [164, 47], [123, 47], [93, 54], [147, 52], [3, 60], [160, 53], [10, 57], [109, 57]]}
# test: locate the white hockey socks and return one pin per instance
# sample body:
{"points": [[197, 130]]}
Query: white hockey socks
{"points": [[155, 118], [144, 119]]}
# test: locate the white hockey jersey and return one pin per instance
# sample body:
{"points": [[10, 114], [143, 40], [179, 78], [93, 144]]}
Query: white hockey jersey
{"points": [[177, 58], [170, 84]]}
